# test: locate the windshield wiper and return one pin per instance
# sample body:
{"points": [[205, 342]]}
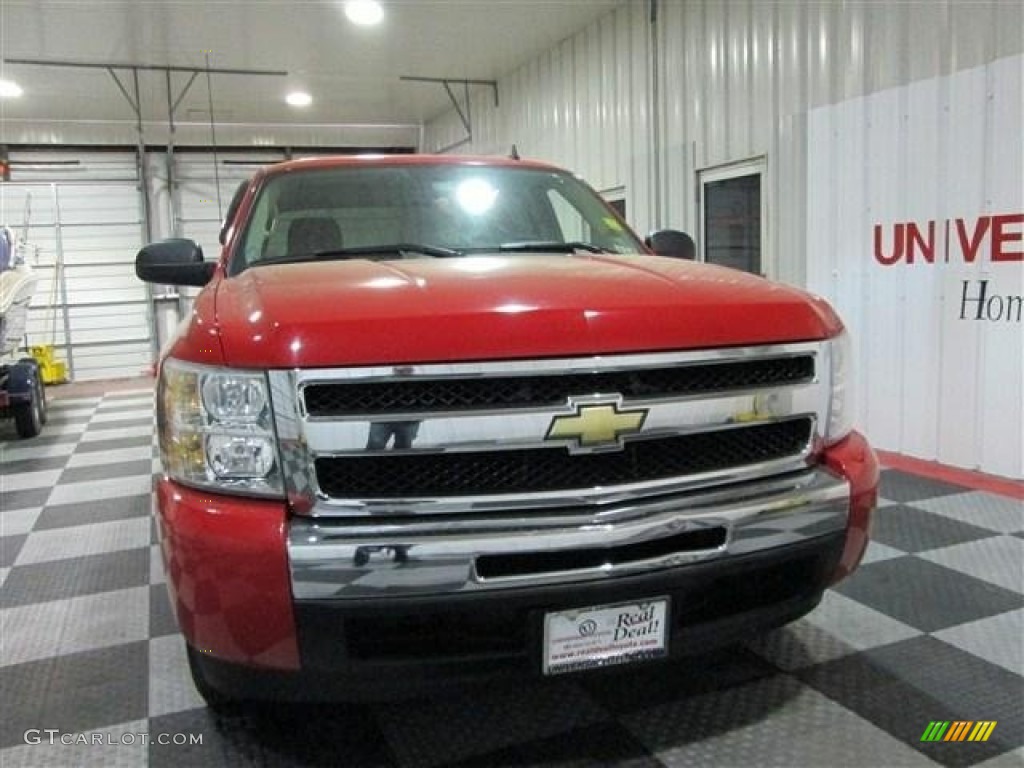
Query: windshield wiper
{"points": [[551, 246], [364, 250]]}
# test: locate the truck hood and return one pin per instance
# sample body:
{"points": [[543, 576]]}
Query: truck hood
{"points": [[358, 312]]}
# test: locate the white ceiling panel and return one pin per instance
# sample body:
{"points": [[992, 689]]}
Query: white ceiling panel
{"points": [[353, 73]]}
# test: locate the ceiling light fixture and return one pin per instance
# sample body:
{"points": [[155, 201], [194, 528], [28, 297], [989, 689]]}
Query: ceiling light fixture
{"points": [[10, 89], [365, 13], [298, 99]]}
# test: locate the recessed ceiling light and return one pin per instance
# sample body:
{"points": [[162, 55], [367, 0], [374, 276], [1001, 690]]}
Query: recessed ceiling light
{"points": [[365, 13], [10, 89], [298, 99]]}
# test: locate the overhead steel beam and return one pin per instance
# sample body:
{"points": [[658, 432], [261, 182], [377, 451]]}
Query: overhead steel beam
{"points": [[149, 67], [465, 113]]}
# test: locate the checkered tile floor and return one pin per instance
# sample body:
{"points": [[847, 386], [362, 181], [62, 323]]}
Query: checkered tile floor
{"points": [[930, 628]]}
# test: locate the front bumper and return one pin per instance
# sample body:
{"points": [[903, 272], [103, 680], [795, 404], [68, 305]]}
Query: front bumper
{"points": [[248, 595], [374, 649]]}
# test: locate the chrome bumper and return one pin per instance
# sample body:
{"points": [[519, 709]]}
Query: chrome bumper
{"points": [[417, 557]]}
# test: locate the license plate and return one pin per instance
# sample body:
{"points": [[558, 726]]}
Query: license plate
{"points": [[603, 635]]}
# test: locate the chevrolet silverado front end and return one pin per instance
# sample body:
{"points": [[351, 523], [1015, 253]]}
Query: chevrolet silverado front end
{"points": [[439, 419]]}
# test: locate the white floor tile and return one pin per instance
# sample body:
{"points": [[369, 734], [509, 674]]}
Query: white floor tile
{"points": [[156, 566], [107, 434], [18, 521], [997, 560], [857, 625], [999, 639], [60, 627], [170, 684], [987, 510], [81, 540], [117, 456], [23, 481], [877, 552], [35, 452], [109, 418], [93, 490], [87, 755]]}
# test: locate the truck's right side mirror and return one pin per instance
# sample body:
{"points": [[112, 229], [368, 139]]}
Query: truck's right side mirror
{"points": [[177, 261], [672, 242]]}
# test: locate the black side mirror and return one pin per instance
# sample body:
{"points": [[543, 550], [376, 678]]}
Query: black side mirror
{"points": [[174, 262], [672, 242]]}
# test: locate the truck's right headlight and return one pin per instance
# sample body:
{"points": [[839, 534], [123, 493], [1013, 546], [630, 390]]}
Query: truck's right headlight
{"points": [[216, 430]]}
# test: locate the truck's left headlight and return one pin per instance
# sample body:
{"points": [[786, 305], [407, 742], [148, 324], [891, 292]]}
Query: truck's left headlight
{"points": [[216, 430], [840, 407]]}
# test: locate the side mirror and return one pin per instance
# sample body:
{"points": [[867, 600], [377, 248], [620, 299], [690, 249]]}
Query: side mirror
{"points": [[174, 262], [672, 242]]}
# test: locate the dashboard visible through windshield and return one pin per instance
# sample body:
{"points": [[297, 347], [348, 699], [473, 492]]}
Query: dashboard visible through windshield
{"points": [[425, 211]]}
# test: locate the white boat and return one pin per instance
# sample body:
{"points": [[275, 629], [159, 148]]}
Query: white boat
{"points": [[17, 283]]}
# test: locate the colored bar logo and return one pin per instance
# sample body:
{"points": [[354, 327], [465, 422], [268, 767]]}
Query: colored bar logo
{"points": [[958, 730]]}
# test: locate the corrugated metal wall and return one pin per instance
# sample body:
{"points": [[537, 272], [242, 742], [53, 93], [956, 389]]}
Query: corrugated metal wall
{"points": [[85, 208], [646, 104]]}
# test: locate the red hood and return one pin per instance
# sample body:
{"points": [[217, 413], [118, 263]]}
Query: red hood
{"points": [[497, 307]]}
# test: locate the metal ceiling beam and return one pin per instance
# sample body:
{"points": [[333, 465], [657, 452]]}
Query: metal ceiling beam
{"points": [[148, 67], [465, 114]]}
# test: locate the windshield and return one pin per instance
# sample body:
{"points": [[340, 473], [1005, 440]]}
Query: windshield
{"points": [[426, 211]]}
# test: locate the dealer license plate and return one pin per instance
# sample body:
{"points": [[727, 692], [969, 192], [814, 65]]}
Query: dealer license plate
{"points": [[603, 635]]}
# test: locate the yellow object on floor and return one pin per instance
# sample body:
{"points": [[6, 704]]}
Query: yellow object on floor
{"points": [[52, 370]]}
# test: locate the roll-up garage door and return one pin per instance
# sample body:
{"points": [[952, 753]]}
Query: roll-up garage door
{"points": [[84, 225]]}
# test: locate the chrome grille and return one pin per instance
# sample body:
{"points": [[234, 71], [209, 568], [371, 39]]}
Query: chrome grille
{"points": [[340, 399], [479, 437], [485, 473]]}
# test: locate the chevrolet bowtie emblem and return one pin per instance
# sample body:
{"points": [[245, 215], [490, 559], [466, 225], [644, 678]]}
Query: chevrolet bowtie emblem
{"points": [[596, 426]]}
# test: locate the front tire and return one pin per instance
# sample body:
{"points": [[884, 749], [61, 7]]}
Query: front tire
{"points": [[29, 417]]}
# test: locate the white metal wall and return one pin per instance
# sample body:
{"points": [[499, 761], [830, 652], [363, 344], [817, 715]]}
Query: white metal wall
{"points": [[647, 106], [86, 206]]}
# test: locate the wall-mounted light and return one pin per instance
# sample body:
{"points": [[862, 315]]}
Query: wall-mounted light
{"points": [[10, 89], [365, 13], [298, 99]]}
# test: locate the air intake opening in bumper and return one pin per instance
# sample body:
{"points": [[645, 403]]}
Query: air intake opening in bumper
{"points": [[533, 563]]}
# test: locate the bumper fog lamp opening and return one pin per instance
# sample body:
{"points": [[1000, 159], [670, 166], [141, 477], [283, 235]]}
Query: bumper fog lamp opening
{"points": [[239, 456]]}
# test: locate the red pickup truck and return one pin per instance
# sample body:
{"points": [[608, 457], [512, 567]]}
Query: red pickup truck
{"points": [[440, 419]]}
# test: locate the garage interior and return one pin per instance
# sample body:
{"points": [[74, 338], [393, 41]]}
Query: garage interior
{"points": [[868, 152]]}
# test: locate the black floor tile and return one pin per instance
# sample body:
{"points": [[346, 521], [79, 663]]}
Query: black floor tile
{"points": [[10, 546], [75, 693], [926, 596], [23, 466], [106, 471], [112, 445], [161, 616], [631, 688], [119, 406], [26, 499], [904, 686], [337, 735], [602, 744], [915, 530], [59, 579], [90, 512], [899, 486], [113, 426]]}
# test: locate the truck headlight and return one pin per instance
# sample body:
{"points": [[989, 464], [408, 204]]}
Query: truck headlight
{"points": [[215, 429], [840, 406]]}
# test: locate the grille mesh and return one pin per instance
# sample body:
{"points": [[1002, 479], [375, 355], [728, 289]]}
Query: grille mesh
{"points": [[341, 399], [554, 469]]}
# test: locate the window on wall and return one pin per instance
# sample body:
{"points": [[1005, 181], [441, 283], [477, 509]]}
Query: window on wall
{"points": [[733, 216], [616, 198]]}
